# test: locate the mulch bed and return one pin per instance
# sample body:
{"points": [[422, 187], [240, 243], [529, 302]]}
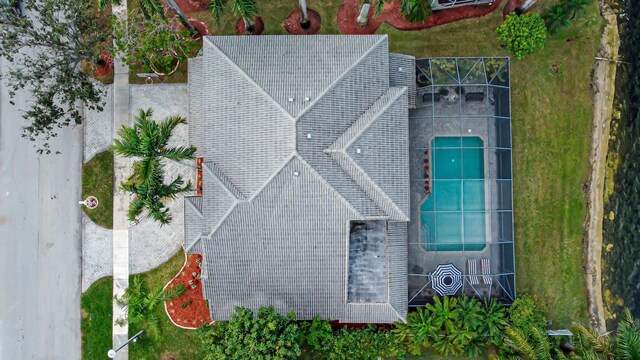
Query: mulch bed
{"points": [[292, 23], [350, 9], [103, 69], [189, 310], [202, 28], [188, 6], [258, 26]]}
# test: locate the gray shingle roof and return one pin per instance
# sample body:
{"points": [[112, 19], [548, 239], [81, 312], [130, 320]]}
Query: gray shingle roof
{"points": [[282, 179]]}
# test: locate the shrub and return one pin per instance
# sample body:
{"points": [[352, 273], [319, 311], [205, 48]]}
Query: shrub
{"points": [[416, 11], [522, 34], [559, 16], [267, 336]]}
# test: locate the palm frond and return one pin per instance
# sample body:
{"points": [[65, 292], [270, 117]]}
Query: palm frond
{"points": [[173, 189], [151, 7], [179, 153], [244, 8], [216, 7], [379, 7]]}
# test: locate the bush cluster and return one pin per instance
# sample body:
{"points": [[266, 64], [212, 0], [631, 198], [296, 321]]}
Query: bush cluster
{"points": [[522, 34]]}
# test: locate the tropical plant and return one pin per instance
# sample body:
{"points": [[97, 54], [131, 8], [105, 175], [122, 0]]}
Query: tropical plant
{"points": [[416, 11], [148, 140], [245, 9], [494, 321], [267, 336], [418, 331], [152, 42], [624, 344], [628, 337], [522, 34], [140, 303], [535, 347], [444, 311], [44, 52], [559, 15]]}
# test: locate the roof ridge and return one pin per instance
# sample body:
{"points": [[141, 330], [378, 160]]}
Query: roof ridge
{"points": [[398, 214], [272, 176], [250, 79], [388, 99], [333, 190], [373, 47], [224, 181], [189, 201]]}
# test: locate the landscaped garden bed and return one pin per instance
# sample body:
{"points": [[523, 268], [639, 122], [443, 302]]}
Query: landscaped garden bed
{"points": [[97, 180], [191, 309]]}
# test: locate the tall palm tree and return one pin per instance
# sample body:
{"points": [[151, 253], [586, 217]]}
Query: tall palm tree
{"points": [[245, 9], [147, 141], [625, 344], [304, 21], [420, 329]]}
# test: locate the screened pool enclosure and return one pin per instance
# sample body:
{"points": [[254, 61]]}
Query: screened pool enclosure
{"points": [[461, 189]]}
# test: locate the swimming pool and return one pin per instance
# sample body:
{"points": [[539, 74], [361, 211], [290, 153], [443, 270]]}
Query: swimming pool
{"points": [[453, 215]]}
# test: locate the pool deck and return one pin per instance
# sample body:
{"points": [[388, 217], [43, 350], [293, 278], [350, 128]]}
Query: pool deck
{"points": [[456, 119]]}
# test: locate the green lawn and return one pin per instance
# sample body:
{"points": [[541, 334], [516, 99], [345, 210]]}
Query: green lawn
{"points": [[551, 117], [97, 180], [173, 341], [96, 319]]}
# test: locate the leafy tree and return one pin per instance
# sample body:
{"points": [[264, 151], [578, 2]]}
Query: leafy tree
{"points": [[267, 336], [416, 11], [559, 15], [148, 140], [245, 9], [140, 303], [45, 51], [153, 42], [522, 34]]}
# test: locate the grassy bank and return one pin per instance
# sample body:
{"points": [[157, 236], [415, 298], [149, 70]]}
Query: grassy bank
{"points": [[173, 341], [96, 319], [97, 180]]}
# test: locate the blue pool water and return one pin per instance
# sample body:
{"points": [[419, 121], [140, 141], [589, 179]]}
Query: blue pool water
{"points": [[453, 217]]}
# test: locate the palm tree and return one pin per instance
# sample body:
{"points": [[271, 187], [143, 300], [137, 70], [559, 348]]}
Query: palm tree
{"points": [[494, 321], [445, 311], [245, 9], [416, 11], [304, 21], [148, 140], [419, 330], [140, 302], [624, 345], [537, 347]]}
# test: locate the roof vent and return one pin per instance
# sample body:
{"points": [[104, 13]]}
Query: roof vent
{"points": [[469, 130], [296, 173], [400, 69], [309, 136], [359, 151], [306, 98], [291, 99]]}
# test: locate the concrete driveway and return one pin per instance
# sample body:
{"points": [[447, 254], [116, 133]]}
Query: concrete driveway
{"points": [[40, 241]]}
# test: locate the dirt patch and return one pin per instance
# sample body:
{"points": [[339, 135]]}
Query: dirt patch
{"points": [[189, 310], [603, 89], [350, 9], [188, 6], [83, 313], [258, 27], [292, 23]]}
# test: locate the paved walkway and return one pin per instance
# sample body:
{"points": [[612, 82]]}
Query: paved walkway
{"points": [[121, 167]]}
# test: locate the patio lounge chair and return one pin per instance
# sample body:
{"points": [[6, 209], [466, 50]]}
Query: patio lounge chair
{"points": [[486, 271], [472, 271]]}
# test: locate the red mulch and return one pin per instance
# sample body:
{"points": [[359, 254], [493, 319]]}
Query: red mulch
{"points": [[292, 23], [350, 9], [258, 26], [103, 69], [195, 313], [202, 28], [188, 6], [510, 7]]}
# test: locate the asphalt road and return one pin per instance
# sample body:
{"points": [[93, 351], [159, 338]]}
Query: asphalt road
{"points": [[40, 241]]}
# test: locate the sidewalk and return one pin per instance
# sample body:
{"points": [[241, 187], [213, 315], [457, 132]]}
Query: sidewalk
{"points": [[121, 167]]}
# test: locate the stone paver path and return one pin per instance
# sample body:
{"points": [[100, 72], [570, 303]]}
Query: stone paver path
{"points": [[98, 127]]}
